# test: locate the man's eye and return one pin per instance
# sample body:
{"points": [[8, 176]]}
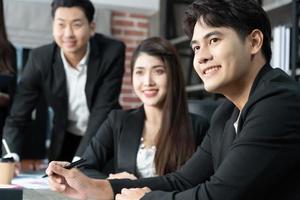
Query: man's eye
{"points": [[196, 48], [77, 25], [214, 40]]}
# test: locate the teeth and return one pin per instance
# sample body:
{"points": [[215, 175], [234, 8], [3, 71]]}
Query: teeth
{"points": [[211, 69], [149, 91]]}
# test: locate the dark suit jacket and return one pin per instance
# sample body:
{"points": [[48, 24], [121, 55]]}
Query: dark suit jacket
{"points": [[44, 75], [8, 86], [119, 138], [260, 162]]}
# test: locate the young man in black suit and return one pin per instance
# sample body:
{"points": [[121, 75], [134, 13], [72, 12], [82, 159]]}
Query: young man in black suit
{"points": [[251, 150], [80, 74]]}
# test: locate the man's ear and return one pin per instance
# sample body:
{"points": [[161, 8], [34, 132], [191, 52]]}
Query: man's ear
{"points": [[92, 28], [256, 39]]}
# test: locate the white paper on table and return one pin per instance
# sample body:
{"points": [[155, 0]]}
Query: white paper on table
{"points": [[31, 181]]}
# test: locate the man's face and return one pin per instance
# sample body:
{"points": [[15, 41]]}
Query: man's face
{"points": [[221, 59], [72, 31]]}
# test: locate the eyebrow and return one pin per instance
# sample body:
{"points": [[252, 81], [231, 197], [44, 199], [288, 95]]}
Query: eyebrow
{"points": [[155, 66], [75, 20], [206, 36]]}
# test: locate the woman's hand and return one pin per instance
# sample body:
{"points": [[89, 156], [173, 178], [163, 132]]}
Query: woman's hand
{"points": [[132, 194], [73, 183], [122, 175], [18, 167]]}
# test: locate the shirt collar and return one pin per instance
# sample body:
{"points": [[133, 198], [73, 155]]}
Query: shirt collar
{"points": [[82, 63]]}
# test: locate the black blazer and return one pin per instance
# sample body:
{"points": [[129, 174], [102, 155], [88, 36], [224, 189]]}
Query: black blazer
{"points": [[8, 88], [44, 75], [261, 161], [119, 138]]}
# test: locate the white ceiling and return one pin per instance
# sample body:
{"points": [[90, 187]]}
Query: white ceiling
{"points": [[147, 7]]}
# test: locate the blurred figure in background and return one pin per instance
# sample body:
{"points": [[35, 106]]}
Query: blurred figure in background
{"points": [[7, 71], [80, 74]]}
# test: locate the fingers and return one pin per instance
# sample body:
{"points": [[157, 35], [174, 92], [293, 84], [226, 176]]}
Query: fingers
{"points": [[117, 175], [132, 193], [56, 167], [56, 178], [70, 182], [56, 183], [17, 169], [146, 189], [122, 175]]}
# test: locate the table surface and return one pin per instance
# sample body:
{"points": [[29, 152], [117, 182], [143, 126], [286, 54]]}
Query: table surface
{"points": [[42, 194], [36, 188]]}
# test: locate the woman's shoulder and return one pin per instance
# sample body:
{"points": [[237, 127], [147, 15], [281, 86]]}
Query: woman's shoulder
{"points": [[121, 114]]}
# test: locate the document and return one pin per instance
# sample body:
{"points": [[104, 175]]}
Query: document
{"points": [[31, 181]]}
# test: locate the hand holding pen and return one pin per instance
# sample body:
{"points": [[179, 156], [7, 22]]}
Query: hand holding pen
{"points": [[71, 165]]}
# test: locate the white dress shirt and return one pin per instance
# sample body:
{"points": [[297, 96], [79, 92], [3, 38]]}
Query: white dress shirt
{"points": [[145, 161], [236, 123], [78, 112]]}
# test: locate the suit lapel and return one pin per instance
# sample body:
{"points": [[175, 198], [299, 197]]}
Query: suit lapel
{"points": [[94, 60], [229, 134], [59, 84], [130, 141]]}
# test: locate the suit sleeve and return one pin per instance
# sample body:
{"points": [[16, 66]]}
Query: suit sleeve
{"points": [[258, 161], [107, 95], [12, 86], [200, 127], [101, 148], [25, 99], [181, 180]]}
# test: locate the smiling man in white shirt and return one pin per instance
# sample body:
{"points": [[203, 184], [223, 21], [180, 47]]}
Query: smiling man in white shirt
{"points": [[80, 74]]}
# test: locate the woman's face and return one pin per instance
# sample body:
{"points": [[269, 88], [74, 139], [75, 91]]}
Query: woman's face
{"points": [[150, 80]]}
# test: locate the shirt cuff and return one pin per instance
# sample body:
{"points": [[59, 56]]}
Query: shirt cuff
{"points": [[75, 158], [15, 156]]}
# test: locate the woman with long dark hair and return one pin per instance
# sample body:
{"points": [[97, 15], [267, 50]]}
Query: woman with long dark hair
{"points": [[157, 137], [7, 71]]}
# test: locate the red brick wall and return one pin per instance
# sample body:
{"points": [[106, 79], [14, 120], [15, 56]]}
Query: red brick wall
{"points": [[132, 29]]}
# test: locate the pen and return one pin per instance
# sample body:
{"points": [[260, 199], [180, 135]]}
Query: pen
{"points": [[6, 146], [71, 165]]}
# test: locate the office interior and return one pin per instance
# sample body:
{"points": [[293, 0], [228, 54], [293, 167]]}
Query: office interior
{"points": [[29, 26]]}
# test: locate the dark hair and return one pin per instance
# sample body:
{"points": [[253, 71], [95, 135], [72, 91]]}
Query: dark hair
{"points": [[6, 51], [86, 6], [175, 144], [241, 15]]}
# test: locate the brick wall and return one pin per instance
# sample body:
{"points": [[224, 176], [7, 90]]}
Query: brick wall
{"points": [[131, 29]]}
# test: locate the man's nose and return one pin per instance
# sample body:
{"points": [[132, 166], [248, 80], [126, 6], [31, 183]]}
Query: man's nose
{"points": [[69, 31], [203, 55]]}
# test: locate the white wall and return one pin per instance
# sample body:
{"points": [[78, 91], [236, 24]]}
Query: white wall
{"points": [[29, 22], [146, 7]]}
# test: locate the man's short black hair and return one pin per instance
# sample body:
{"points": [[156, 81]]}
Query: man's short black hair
{"points": [[86, 6], [241, 15]]}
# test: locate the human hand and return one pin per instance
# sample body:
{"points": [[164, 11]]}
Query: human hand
{"points": [[122, 175], [132, 193], [4, 99], [74, 184], [18, 167]]}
